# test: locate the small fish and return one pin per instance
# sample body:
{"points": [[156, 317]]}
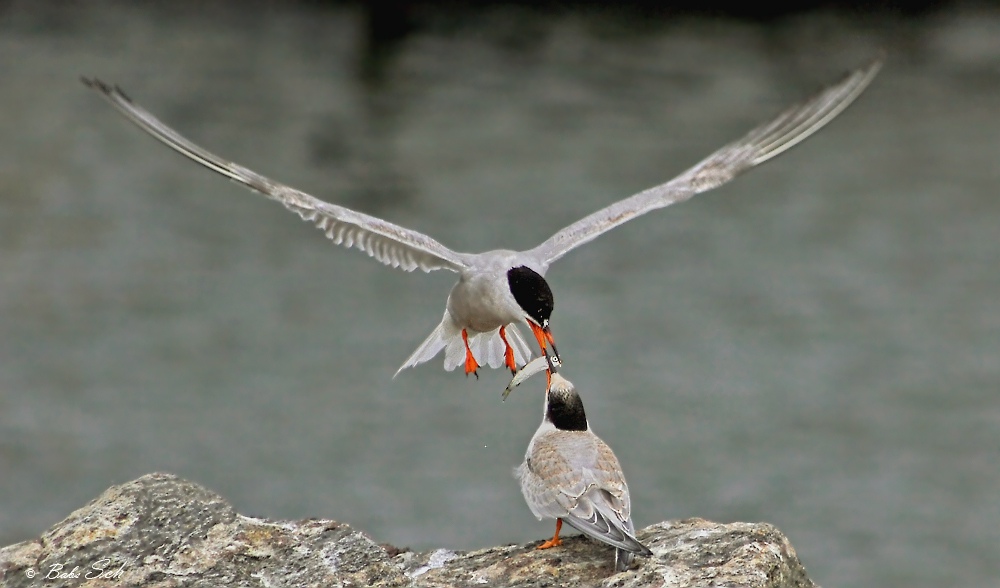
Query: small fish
{"points": [[535, 366]]}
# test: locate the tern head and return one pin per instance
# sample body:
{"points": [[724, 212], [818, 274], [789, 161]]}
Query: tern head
{"points": [[563, 406], [533, 295]]}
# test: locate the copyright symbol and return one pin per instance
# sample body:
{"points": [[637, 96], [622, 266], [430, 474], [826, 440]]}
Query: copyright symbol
{"points": [[30, 572]]}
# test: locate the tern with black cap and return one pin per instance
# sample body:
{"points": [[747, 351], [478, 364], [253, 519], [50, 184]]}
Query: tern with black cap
{"points": [[570, 474], [500, 288]]}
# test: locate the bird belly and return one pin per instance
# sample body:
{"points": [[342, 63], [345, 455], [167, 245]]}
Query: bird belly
{"points": [[482, 304]]}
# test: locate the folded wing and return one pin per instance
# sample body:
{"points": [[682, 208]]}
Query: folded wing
{"points": [[598, 514]]}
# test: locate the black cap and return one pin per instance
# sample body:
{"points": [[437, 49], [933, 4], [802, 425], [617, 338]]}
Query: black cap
{"points": [[532, 293]]}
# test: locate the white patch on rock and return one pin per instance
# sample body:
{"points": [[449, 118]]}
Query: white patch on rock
{"points": [[436, 560]]}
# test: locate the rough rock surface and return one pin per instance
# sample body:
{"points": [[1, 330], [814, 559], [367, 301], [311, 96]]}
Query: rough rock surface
{"points": [[163, 531]]}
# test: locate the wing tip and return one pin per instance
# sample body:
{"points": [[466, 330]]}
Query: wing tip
{"points": [[110, 91], [870, 69]]}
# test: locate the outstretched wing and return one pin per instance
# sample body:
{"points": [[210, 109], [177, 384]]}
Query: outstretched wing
{"points": [[766, 141], [390, 244]]}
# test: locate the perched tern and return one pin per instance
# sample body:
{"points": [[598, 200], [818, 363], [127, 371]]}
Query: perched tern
{"points": [[500, 288], [570, 474]]}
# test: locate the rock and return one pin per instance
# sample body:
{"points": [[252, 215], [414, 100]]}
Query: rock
{"points": [[163, 531]]}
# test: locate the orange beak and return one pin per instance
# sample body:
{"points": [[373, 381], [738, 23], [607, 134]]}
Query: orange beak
{"points": [[544, 335], [550, 371]]}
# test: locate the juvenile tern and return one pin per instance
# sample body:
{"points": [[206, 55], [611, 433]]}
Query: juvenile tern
{"points": [[500, 288], [570, 474]]}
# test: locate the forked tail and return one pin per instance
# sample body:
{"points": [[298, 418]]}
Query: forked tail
{"points": [[444, 334], [487, 348]]}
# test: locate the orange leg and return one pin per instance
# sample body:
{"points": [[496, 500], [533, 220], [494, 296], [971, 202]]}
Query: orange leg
{"points": [[555, 540], [508, 354], [471, 365]]}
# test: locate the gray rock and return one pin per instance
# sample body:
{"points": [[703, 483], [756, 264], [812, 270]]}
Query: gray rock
{"points": [[163, 531]]}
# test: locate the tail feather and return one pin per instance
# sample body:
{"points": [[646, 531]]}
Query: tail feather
{"points": [[522, 351], [454, 353], [487, 348], [624, 557], [443, 336]]}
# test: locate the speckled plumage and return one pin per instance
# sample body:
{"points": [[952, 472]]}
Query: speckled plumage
{"points": [[573, 475]]}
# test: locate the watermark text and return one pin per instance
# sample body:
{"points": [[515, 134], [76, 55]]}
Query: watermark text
{"points": [[102, 569]]}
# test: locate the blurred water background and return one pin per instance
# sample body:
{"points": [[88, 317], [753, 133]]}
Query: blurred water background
{"points": [[815, 345]]}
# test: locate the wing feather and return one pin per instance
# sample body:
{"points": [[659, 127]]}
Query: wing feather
{"points": [[764, 142], [576, 477], [389, 243]]}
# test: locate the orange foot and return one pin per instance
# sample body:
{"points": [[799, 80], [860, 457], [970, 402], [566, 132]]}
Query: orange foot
{"points": [[508, 354], [555, 541], [471, 365]]}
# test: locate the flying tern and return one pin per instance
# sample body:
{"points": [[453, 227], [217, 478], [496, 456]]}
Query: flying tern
{"points": [[500, 288]]}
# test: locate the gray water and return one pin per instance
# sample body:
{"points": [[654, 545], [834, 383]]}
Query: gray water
{"points": [[815, 345]]}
